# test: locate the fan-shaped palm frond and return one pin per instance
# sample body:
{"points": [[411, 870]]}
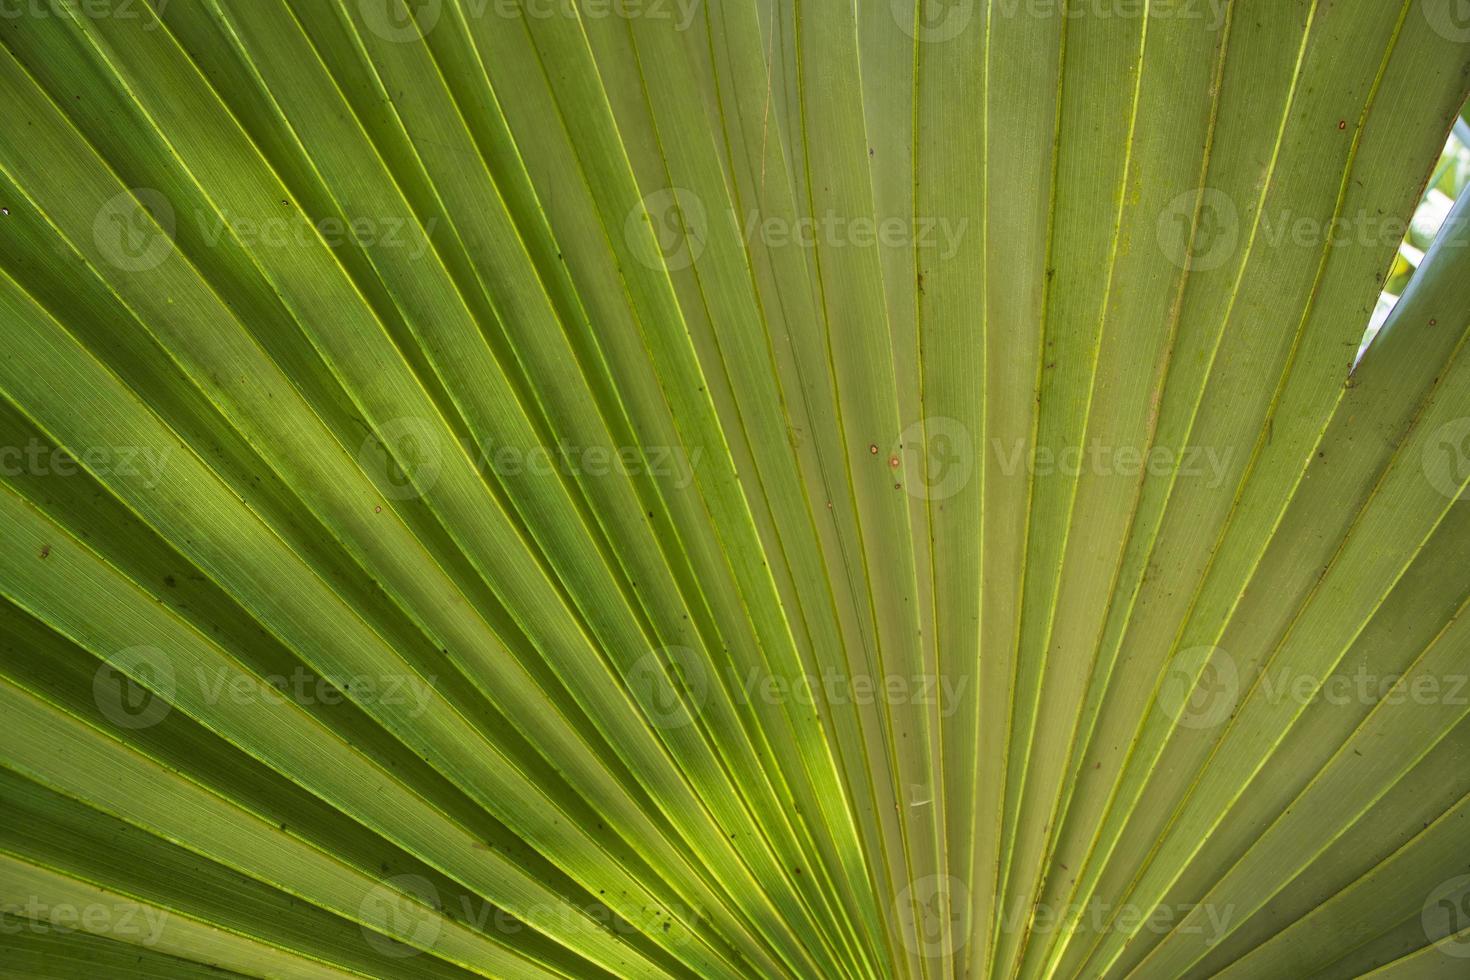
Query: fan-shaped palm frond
{"points": [[648, 488]]}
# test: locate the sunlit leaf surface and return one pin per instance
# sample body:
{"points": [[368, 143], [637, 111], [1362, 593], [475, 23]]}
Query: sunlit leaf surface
{"points": [[728, 489]]}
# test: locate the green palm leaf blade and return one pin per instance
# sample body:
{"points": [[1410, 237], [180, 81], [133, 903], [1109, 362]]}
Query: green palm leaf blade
{"points": [[663, 488]]}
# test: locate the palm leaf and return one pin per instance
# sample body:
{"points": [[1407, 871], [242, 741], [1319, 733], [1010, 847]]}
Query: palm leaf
{"points": [[525, 489]]}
